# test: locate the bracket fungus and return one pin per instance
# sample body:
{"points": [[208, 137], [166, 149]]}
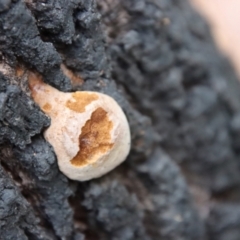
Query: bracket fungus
{"points": [[89, 131]]}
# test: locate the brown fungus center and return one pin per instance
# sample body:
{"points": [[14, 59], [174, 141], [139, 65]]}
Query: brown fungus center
{"points": [[94, 139], [82, 99]]}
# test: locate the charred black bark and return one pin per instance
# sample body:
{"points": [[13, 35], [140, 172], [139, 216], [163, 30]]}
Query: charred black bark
{"points": [[182, 100]]}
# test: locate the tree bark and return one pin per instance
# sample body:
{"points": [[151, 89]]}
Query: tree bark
{"points": [[156, 58]]}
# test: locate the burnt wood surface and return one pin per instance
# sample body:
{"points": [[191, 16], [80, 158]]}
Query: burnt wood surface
{"points": [[157, 59]]}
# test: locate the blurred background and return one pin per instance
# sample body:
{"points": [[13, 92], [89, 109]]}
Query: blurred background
{"points": [[224, 19]]}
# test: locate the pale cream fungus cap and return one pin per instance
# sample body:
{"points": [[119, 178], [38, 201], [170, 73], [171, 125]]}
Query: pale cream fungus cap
{"points": [[89, 131]]}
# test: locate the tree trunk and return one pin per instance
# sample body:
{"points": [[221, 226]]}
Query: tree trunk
{"points": [[156, 58]]}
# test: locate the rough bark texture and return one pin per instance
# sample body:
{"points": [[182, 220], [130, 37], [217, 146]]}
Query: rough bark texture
{"points": [[156, 58]]}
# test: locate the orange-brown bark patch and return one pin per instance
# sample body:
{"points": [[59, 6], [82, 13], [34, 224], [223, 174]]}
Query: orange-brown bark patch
{"points": [[76, 80], [81, 100], [19, 71], [36, 83], [95, 138]]}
